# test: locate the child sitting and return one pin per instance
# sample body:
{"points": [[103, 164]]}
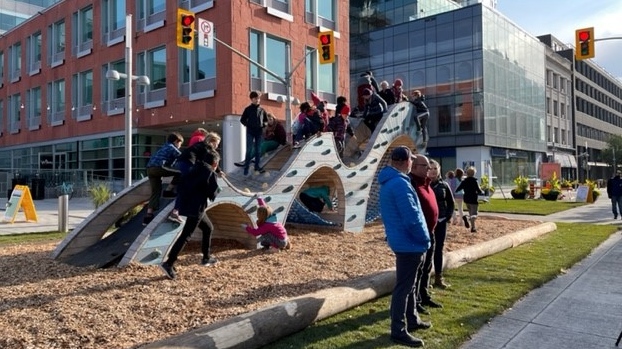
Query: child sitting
{"points": [[270, 232]]}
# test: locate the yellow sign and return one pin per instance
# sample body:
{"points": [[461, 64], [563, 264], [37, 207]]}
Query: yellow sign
{"points": [[20, 198]]}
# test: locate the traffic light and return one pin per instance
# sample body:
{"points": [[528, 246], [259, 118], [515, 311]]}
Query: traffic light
{"points": [[185, 29], [584, 47], [326, 47]]}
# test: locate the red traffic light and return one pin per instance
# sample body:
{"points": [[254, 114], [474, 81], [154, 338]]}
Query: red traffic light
{"points": [[584, 35], [325, 39], [187, 20]]}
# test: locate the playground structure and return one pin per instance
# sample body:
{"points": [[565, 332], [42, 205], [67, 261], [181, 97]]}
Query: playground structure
{"points": [[288, 172]]}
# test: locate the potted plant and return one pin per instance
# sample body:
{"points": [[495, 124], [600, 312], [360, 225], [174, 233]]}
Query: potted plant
{"points": [[593, 187], [552, 188], [521, 190], [487, 186]]}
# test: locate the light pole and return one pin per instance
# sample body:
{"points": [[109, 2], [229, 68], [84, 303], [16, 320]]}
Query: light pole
{"points": [[141, 80]]}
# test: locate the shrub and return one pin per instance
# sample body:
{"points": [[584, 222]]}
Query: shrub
{"points": [[522, 184]]}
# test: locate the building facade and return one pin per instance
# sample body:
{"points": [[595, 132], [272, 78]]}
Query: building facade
{"points": [[60, 116], [560, 128], [483, 77]]}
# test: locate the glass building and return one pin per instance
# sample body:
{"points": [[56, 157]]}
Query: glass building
{"points": [[483, 78]]}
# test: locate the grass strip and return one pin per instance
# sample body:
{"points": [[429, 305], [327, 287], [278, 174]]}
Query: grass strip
{"points": [[532, 207], [31, 238], [479, 291]]}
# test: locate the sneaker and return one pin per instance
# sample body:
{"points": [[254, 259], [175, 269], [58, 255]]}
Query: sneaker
{"points": [[169, 194], [240, 164], [407, 340], [473, 230], [422, 310], [615, 216], [168, 270], [260, 170], [441, 284], [466, 222], [147, 219], [420, 325], [297, 145], [208, 262], [288, 246], [432, 304], [174, 217]]}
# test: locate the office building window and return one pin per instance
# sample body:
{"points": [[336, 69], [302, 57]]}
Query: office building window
{"points": [[113, 91], [1, 68], [555, 78], [1, 117], [14, 110], [15, 62], [82, 31], [153, 64], [548, 105], [269, 51], [324, 11], [320, 78], [82, 95], [33, 53], [33, 109], [151, 14], [202, 62], [113, 21], [56, 102], [56, 43], [555, 108]]}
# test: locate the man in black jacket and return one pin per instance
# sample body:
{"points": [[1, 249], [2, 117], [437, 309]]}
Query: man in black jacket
{"points": [[198, 186], [255, 119]]}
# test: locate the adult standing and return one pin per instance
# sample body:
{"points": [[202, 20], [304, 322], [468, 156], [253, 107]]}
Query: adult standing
{"points": [[408, 237], [454, 181], [445, 202], [419, 179], [614, 191], [255, 119]]}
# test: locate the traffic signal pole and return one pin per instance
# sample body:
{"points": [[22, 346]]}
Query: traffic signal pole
{"points": [[287, 80]]}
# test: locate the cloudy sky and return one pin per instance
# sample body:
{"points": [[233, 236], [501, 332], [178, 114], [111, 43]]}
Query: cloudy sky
{"points": [[561, 17]]}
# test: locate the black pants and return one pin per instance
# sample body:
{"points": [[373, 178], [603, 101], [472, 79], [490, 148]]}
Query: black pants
{"points": [[313, 204], [423, 276], [372, 120], [192, 223], [403, 310]]}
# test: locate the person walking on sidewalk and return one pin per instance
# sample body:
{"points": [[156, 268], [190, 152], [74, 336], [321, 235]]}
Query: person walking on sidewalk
{"points": [[419, 180], [198, 186], [445, 202], [471, 189], [614, 191], [408, 237]]}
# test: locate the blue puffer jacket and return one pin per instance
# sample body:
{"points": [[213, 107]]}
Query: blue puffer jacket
{"points": [[403, 219]]}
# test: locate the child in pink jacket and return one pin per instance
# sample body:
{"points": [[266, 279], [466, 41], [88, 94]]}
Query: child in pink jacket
{"points": [[270, 233]]}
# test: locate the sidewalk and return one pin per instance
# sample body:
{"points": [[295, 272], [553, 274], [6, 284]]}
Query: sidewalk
{"points": [[579, 309], [47, 216]]}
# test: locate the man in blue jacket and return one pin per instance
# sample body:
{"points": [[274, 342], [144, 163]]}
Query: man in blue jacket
{"points": [[408, 237]]}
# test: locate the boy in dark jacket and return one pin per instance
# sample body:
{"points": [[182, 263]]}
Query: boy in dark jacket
{"points": [[422, 113], [255, 119], [198, 186], [471, 190]]}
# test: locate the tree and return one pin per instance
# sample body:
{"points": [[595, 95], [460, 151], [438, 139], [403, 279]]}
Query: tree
{"points": [[612, 153]]}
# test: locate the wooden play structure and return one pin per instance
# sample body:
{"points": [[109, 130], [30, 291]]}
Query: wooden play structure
{"points": [[288, 171]]}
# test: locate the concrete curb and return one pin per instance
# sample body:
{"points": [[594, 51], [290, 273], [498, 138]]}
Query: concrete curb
{"points": [[258, 328]]}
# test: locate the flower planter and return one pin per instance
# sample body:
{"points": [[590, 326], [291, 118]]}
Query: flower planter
{"points": [[551, 196], [519, 196]]}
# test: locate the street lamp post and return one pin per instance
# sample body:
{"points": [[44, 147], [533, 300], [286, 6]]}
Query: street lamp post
{"points": [[141, 80]]}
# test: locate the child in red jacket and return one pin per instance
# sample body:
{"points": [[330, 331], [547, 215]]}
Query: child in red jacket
{"points": [[269, 231]]}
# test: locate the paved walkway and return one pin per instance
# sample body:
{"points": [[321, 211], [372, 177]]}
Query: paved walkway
{"points": [[47, 216], [580, 309]]}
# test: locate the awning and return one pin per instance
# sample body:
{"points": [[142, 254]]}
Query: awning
{"points": [[598, 164], [565, 160]]}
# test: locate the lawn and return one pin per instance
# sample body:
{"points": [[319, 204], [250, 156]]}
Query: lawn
{"points": [[480, 291], [530, 206]]}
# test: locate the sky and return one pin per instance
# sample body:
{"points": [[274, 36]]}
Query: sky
{"points": [[562, 17]]}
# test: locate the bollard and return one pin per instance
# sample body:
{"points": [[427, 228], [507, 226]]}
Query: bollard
{"points": [[63, 213]]}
